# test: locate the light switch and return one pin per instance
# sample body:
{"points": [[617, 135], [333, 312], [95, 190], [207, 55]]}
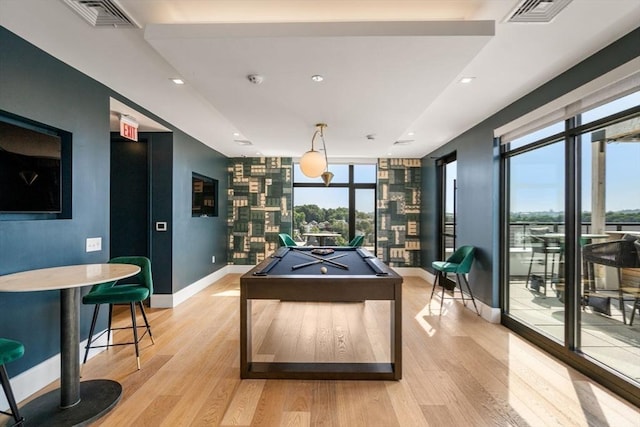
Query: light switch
{"points": [[94, 244]]}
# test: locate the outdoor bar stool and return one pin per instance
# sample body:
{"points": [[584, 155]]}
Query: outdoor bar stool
{"points": [[9, 351], [544, 248]]}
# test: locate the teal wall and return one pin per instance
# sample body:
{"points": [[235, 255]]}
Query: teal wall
{"points": [[39, 87], [196, 240]]}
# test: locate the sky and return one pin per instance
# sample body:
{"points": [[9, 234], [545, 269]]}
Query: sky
{"points": [[332, 197], [537, 177]]}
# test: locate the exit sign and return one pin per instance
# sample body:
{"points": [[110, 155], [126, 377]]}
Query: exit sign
{"points": [[128, 128]]}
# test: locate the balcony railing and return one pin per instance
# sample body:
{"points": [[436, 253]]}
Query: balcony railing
{"points": [[519, 230]]}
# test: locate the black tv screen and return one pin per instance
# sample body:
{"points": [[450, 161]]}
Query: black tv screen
{"points": [[204, 196], [30, 168]]}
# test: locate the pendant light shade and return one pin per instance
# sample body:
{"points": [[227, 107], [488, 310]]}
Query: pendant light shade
{"points": [[327, 177], [314, 164]]}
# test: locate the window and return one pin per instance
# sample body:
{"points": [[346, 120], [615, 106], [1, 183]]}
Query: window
{"points": [[570, 193], [335, 214]]}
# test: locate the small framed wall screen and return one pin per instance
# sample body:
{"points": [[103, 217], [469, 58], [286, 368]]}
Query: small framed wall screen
{"points": [[204, 196]]}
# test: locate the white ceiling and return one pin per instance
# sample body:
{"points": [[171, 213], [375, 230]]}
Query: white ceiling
{"points": [[390, 67]]}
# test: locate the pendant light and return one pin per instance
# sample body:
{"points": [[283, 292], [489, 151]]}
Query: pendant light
{"points": [[312, 163]]}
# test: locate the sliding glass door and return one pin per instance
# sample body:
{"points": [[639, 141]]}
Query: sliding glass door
{"points": [[571, 238]]}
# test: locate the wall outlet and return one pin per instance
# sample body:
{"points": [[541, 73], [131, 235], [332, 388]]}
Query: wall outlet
{"points": [[213, 259], [94, 244]]}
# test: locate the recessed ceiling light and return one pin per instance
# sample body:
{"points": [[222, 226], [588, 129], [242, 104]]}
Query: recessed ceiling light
{"points": [[467, 79], [410, 133], [178, 81], [236, 134], [317, 78]]}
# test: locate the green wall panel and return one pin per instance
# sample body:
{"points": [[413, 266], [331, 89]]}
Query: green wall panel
{"points": [[399, 199], [260, 207]]}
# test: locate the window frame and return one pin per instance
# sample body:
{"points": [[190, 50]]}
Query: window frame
{"points": [[352, 187]]}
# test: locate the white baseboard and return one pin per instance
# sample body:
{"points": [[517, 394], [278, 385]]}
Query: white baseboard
{"points": [[173, 300]]}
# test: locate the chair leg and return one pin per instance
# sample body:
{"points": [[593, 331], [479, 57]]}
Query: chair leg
{"points": [[91, 331], [4, 378], [526, 283], [624, 316], [135, 332], [435, 283], [464, 302], [545, 273], [109, 324], [470, 294], [146, 322], [636, 306], [441, 299]]}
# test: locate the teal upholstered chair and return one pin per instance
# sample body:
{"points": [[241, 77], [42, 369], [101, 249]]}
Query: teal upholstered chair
{"points": [[459, 263], [286, 240], [357, 241], [9, 351], [133, 291]]}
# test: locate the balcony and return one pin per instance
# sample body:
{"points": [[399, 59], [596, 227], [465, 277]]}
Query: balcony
{"points": [[604, 317]]}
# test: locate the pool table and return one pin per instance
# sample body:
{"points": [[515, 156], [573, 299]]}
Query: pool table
{"points": [[328, 274]]}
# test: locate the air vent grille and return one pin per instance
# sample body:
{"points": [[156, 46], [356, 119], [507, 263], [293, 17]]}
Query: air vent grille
{"points": [[102, 13], [537, 10]]}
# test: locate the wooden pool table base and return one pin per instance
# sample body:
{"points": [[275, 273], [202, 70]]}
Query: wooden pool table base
{"points": [[278, 285], [321, 371]]}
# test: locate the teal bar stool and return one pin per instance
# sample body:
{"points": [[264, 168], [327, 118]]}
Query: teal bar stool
{"points": [[127, 293], [286, 240], [357, 241], [458, 263], [9, 351]]}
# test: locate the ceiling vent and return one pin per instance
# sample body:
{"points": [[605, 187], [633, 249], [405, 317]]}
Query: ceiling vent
{"points": [[537, 10], [102, 13], [403, 142]]}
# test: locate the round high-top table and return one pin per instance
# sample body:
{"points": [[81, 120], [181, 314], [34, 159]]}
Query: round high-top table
{"points": [[75, 402]]}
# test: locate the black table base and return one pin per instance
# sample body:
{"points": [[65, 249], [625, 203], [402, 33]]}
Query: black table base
{"points": [[96, 398]]}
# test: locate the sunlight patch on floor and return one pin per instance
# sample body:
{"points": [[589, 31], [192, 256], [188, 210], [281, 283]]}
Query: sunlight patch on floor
{"points": [[227, 293], [420, 318]]}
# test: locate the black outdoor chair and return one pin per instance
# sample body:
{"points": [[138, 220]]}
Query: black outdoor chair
{"points": [[618, 254]]}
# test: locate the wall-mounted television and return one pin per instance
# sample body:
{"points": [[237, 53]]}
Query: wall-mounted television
{"points": [[30, 168], [204, 196]]}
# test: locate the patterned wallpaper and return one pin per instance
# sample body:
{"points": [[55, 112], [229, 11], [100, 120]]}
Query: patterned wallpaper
{"points": [[399, 183], [260, 207]]}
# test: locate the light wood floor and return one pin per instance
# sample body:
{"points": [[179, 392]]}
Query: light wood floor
{"points": [[458, 369]]}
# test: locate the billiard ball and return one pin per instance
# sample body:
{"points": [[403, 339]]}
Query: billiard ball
{"points": [[323, 270]]}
